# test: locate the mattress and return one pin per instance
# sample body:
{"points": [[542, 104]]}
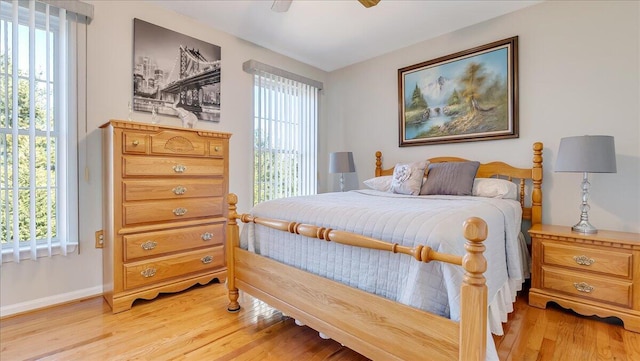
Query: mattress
{"points": [[435, 221]]}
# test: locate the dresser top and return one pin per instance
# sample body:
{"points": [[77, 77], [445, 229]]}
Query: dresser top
{"points": [[127, 124], [602, 235]]}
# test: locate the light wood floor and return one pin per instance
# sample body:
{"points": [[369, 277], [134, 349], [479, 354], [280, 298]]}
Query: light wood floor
{"points": [[194, 325]]}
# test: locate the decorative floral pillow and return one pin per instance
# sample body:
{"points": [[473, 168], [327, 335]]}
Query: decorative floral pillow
{"points": [[407, 178], [382, 183]]}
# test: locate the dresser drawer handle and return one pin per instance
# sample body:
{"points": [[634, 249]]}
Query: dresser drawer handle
{"points": [[180, 211], [584, 260], [148, 272], [217, 149], [206, 236], [179, 168], [583, 287], [206, 259], [149, 245], [179, 190], [135, 143]]}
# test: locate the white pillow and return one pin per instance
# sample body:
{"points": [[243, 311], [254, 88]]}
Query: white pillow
{"points": [[495, 188], [382, 183], [407, 178]]}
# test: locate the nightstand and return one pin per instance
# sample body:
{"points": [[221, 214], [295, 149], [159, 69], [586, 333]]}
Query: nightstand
{"points": [[592, 274]]}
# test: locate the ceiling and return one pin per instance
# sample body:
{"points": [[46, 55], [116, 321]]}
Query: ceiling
{"points": [[331, 34]]}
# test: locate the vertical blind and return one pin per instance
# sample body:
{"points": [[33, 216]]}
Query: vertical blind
{"points": [[285, 126], [42, 48]]}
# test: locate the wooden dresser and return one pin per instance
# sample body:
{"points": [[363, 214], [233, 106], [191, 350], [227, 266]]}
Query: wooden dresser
{"points": [[596, 274], [164, 200]]}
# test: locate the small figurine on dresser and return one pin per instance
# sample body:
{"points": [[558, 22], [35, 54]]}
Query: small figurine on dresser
{"points": [[189, 120]]}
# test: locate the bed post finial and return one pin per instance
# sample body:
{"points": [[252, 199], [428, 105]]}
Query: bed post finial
{"points": [[536, 175], [473, 314], [231, 244], [378, 163]]}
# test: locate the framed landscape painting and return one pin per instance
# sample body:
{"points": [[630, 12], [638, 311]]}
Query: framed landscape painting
{"points": [[467, 96]]}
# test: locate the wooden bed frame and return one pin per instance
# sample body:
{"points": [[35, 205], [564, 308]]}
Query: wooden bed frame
{"points": [[376, 327]]}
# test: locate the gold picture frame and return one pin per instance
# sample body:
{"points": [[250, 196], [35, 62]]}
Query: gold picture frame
{"points": [[471, 95]]}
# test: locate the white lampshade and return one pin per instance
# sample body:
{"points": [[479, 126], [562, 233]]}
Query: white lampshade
{"points": [[587, 153], [341, 162]]}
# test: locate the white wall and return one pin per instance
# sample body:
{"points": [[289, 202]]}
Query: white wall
{"points": [[579, 74], [31, 284]]}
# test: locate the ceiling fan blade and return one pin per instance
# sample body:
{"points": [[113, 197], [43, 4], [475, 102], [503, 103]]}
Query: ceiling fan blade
{"points": [[369, 3], [281, 6]]}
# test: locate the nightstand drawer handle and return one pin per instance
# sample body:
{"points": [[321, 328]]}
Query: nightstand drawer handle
{"points": [[583, 287], [206, 259], [179, 168], [135, 143], [180, 211], [584, 260], [148, 272], [179, 190], [206, 236], [149, 245]]}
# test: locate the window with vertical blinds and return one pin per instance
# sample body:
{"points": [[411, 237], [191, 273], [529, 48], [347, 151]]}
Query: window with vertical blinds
{"points": [[285, 125], [42, 47]]}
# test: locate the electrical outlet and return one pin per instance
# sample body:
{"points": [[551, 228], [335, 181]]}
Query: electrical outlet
{"points": [[99, 239]]}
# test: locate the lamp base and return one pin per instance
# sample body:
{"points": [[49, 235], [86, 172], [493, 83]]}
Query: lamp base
{"points": [[584, 227]]}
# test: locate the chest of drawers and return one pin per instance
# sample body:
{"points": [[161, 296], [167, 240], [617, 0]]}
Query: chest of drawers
{"points": [[164, 211], [595, 274]]}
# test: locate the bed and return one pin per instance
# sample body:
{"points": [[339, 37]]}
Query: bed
{"points": [[312, 265]]}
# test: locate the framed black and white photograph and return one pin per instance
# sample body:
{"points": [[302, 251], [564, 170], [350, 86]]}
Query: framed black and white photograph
{"points": [[175, 74]]}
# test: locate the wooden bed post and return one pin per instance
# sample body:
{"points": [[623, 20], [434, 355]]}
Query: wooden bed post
{"points": [[536, 175], [378, 163], [473, 314], [232, 242]]}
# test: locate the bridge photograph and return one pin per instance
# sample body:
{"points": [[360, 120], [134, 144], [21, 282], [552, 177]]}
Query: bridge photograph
{"points": [[175, 74]]}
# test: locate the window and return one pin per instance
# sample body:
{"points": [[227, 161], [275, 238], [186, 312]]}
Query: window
{"points": [[39, 103], [285, 126]]}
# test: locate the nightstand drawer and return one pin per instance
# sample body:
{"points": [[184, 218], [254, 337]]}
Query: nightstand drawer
{"points": [[610, 262], [585, 285]]}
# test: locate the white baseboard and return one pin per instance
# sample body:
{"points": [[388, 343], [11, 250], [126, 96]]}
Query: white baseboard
{"points": [[49, 301]]}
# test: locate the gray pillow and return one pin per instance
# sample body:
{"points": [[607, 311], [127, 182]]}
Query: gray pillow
{"points": [[450, 178]]}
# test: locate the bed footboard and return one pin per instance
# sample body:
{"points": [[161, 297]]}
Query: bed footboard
{"points": [[376, 327]]}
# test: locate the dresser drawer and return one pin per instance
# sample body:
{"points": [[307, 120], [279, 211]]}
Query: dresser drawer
{"points": [[156, 243], [604, 289], [172, 188], [171, 210], [142, 273], [133, 166], [217, 148], [135, 143], [610, 262], [178, 143]]}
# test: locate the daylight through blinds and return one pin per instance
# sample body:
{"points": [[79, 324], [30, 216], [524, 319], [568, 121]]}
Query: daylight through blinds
{"points": [[285, 146], [41, 47]]}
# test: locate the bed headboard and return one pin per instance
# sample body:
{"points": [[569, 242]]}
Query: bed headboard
{"points": [[531, 210]]}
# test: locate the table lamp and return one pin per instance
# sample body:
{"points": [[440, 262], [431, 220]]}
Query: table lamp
{"points": [[586, 154], [341, 162]]}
